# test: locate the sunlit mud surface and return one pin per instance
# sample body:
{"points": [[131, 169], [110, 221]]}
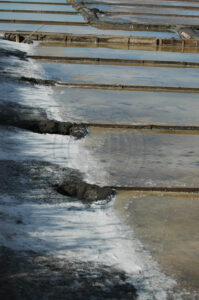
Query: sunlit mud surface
{"points": [[168, 227]]}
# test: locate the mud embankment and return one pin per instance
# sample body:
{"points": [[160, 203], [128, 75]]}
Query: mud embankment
{"points": [[36, 120], [60, 184], [79, 189]]}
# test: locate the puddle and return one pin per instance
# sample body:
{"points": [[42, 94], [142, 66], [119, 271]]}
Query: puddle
{"points": [[50, 1], [127, 107], [169, 231], [115, 53], [158, 20], [27, 6], [84, 30], [40, 17], [149, 10], [148, 76], [164, 3]]}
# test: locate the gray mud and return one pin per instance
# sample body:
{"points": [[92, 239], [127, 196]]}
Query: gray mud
{"points": [[73, 187], [34, 276], [38, 81], [9, 52], [55, 182], [36, 120]]}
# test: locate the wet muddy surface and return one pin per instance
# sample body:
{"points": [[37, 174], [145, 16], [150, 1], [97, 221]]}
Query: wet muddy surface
{"points": [[168, 227], [29, 274], [138, 159], [61, 224], [127, 107]]}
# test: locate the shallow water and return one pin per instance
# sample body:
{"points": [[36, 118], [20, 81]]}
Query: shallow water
{"points": [[115, 53], [130, 158], [156, 2], [51, 1], [152, 10], [122, 75], [27, 6], [84, 30], [127, 107], [157, 20], [40, 17]]}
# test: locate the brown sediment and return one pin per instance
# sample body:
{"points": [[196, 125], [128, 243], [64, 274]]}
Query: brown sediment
{"points": [[54, 12], [116, 61], [110, 86], [174, 49], [162, 44], [148, 128], [77, 188], [41, 22], [158, 189]]}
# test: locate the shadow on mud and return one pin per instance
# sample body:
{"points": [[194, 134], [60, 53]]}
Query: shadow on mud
{"points": [[55, 182], [36, 120], [30, 275]]}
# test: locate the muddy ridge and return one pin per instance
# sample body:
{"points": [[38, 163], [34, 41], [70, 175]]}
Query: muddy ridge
{"points": [[36, 120], [55, 182], [38, 81], [17, 53], [77, 188]]}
